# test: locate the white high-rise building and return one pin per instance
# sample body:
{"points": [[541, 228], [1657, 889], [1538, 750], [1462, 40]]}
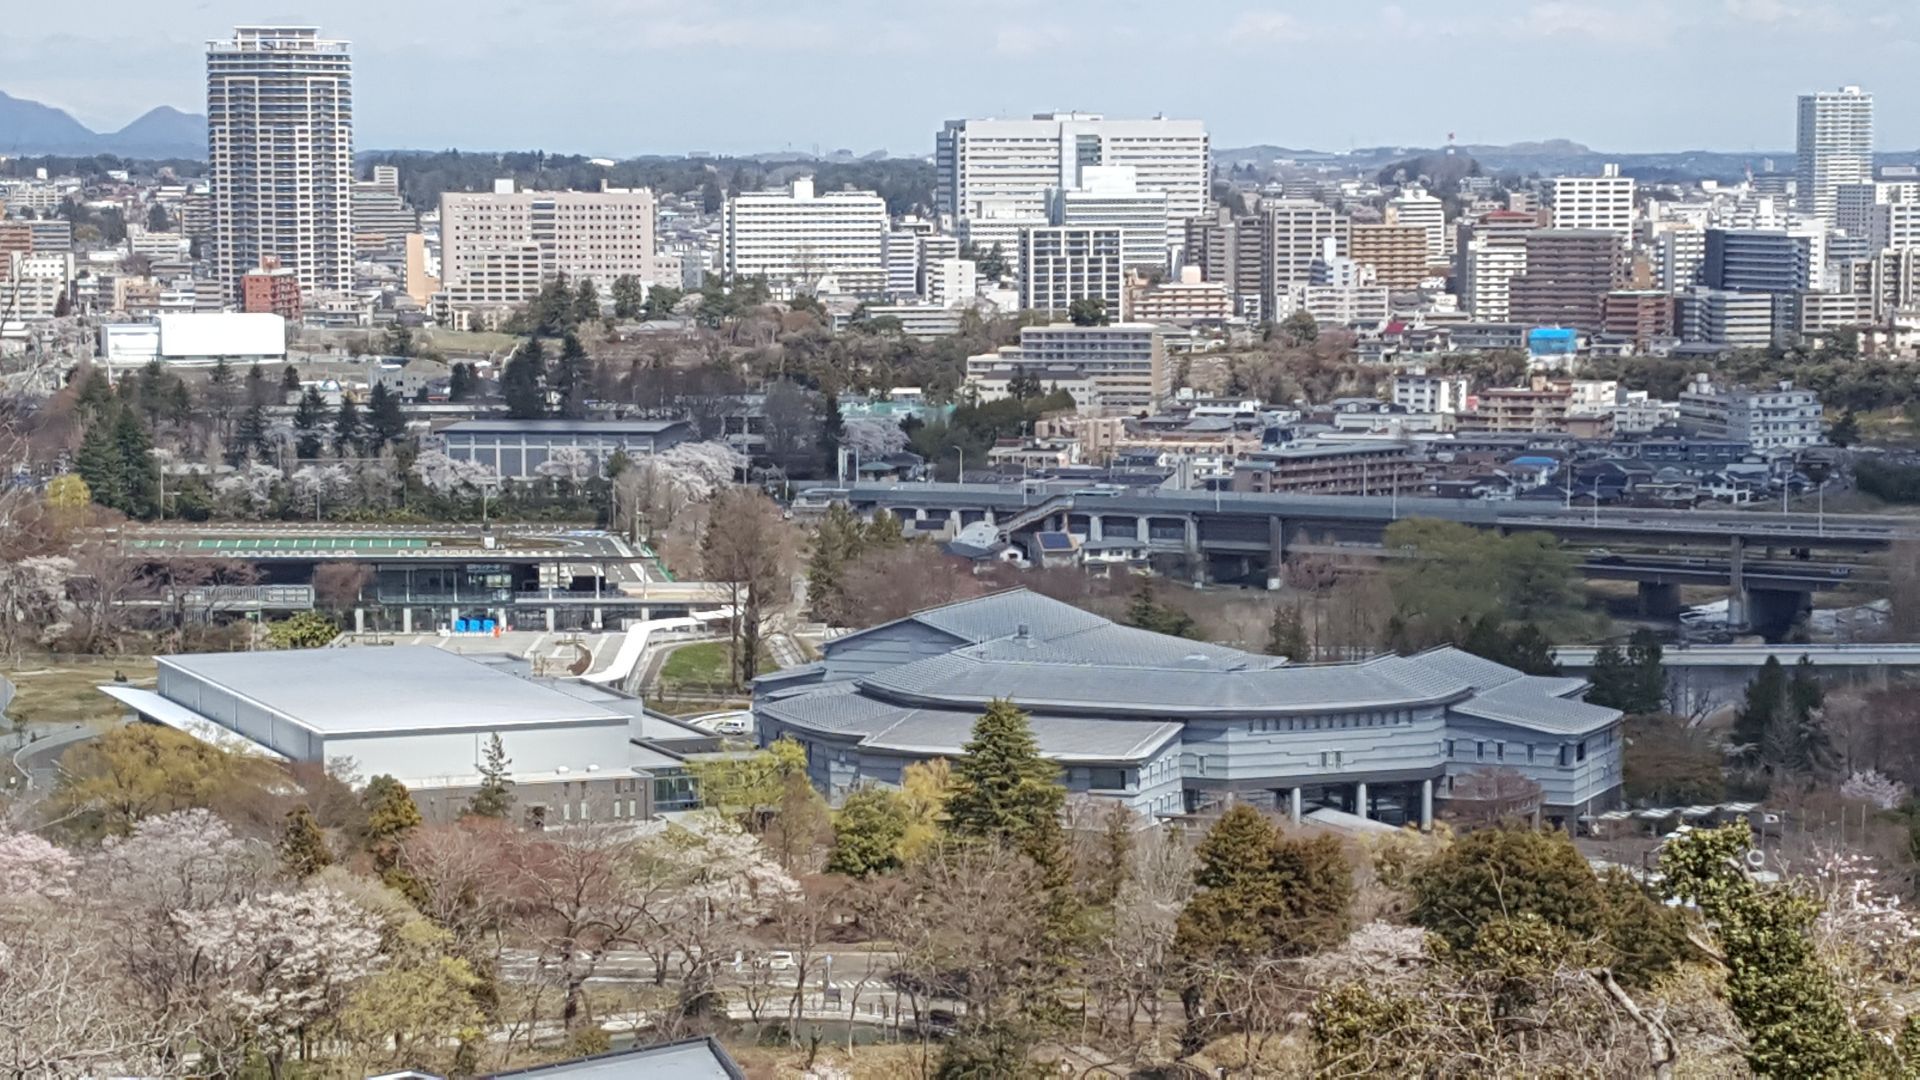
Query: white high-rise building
{"points": [[1414, 206], [1490, 264], [903, 264], [952, 283], [1679, 254], [280, 155], [1110, 195], [1595, 202], [806, 239], [1835, 147], [1063, 263], [1007, 168]]}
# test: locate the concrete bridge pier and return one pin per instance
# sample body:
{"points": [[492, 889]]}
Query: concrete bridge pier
{"points": [[1659, 599], [1276, 552], [1772, 612], [1737, 603]]}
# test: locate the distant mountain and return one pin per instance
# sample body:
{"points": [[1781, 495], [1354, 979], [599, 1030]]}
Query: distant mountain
{"points": [[28, 128], [164, 132]]}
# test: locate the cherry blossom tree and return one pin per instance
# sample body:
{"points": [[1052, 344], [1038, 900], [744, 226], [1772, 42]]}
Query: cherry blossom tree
{"points": [[445, 475], [32, 867], [283, 964], [248, 491], [316, 487], [569, 463], [874, 438], [1871, 787]]}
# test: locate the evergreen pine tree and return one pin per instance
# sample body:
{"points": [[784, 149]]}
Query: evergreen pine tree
{"points": [[1609, 681], [1647, 676], [460, 382], [586, 302], [386, 424], [495, 797], [303, 847], [309, 420], [1765, 703], [348, 429], [523, 381], [139, 473], [867, 832], [391, 818], [1530, 650], [98, 463], [627, 297], [572, 378], [1287, 634], [1146, 612], [833, 432], [289, 379], [1486, 639], [1002, 788]]}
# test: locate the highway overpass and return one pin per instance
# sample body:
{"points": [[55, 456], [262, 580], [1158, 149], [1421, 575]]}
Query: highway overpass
{"points": [[1772, 562]]}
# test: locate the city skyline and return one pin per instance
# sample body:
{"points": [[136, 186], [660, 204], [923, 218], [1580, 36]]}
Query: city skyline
{"points": [[741, 76]]}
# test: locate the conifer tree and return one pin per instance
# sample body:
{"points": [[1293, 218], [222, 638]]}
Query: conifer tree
{"points": [[303, 847], [495, 797]]}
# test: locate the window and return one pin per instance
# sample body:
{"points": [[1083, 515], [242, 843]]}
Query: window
{"points": [[1580, 752], [1108, 779], [1500, 751], [1449, 747], [1480, 751]]}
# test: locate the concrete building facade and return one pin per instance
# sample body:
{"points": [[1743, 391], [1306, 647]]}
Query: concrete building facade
{"points": [[803, 238]]}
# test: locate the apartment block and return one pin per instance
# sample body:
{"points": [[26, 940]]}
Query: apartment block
{"points": [[1415, 208], [1119, 368], [1063, 263], [1834, 147], [280, 155], [1330, 469], [1602, 202], [1295, 233], [1778, 417], [1399, 254], [1569, 273], [271, 289], [1639, 316], [1185, 302], [1109, 196]]}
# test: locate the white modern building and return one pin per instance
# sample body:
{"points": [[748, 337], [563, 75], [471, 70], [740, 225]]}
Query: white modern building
{"points": [[1414, 206], [1834, 147], [952, 283], [1295, 232], [1734, 320], [32, 286], [903, 264], [1417, 391], [280, 155], [1595, 202], [1778, 417], [1063, 263], [1008, 168], [1490, 264], [1109, 196], [801, 239]]}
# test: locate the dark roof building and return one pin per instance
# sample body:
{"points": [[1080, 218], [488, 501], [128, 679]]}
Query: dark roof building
{"points": [[1167, 725], [518, 449]]}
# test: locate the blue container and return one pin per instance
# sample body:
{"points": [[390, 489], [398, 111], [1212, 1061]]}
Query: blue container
{"points": [[459, 626], [486, 626]]}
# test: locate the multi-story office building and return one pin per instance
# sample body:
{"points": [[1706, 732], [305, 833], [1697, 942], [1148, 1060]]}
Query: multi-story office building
{"points": [[1415, 208], [381, 218], [802, 238], [498, 248], [1679, 252], [1825, 312], [952, 282], [1762, 260], [280, 155], [903, 264], [1063, 263], [1229, 251], [1732, 320], [1893, 225], [1834, 147], [1295, 233], [1569, 273], [1595, 202], [1008, 168], [1777, 417], [1122, 367], [1397, 253], [1109, 196]]}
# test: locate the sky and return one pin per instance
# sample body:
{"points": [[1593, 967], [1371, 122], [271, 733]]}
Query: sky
{"points": [[623, 77]]}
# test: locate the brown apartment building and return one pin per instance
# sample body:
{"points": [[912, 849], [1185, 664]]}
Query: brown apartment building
{"points": [[1330, 469], [1569, 274], [1638, 315], [1397, 253]]}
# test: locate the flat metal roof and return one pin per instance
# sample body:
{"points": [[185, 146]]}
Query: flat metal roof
{"points": [[387, 690]]}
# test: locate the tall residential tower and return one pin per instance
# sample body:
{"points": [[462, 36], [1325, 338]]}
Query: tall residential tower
{"points": [[280, 154], [1835, 147]]}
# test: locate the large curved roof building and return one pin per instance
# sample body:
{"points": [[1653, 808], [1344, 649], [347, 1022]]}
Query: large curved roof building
{"points": [[1168, 725]]}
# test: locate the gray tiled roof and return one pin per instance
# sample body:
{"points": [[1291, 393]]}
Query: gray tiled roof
{"points": [[1536, 702]]}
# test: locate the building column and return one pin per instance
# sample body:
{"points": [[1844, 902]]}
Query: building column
{"points": [[1737, 579], [1360, 798], [550, 626], [1426, 805], [359, 620], [1095, 527], [598, 619], [1293, 804], [406, 620], [1143, 530]]}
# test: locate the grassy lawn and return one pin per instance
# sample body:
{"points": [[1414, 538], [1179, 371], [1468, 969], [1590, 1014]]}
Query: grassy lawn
{"points": [[63, 692], [701, 666]]}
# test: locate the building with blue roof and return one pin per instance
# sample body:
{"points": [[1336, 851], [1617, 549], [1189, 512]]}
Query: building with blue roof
{"points": [[1168, 726]]}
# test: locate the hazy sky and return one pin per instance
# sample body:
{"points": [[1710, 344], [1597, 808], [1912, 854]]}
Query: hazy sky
{"points": [[621, 77]]}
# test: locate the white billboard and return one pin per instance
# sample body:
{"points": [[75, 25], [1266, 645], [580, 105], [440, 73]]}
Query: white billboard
{"points": [[207, 336]]}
